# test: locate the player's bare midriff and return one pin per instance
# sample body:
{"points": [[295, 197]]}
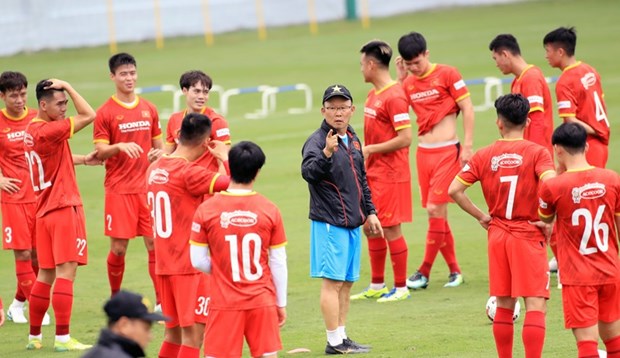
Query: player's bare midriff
{"points": [[444, 131]]}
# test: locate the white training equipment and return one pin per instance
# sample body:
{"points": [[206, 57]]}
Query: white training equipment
{"points": [[491, 308]]}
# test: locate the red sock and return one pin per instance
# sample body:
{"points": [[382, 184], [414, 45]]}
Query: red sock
{"points": [[169, 350], [25, 277], [533, 334], [62, 302], [116, 269], [435, 237], [587, 349], [377, 251], [188, 352], [19, 294], [39, 303], [398, 254], [152, 274], [448, 250], [612, 346], [503, 331]]}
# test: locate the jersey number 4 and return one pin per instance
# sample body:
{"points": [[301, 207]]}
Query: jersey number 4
{"points": [[600, 230], [250, 259]]}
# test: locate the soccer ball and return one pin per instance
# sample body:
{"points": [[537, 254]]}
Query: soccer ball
{"points": [[492, 307]]}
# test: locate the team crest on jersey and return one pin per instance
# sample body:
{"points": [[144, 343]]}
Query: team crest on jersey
{"points": [[588, 191], [159, 176], [588, 80], [378, 103], [506, 160], [356, 145], [240, 218], [28, 140], [120, 117], [146, 114], [6, 130]]}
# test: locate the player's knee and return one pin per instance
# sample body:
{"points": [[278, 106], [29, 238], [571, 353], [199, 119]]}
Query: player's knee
{"points": [[437, 210], [22, 255]]}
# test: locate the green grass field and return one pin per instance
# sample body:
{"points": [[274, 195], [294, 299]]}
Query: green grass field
{"points": [[436, 322]]}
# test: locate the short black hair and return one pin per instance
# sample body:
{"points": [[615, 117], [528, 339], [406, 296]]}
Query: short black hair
{"points": [[411, 45], [190, 78], [379, 50], [245, 159], [12, 81], [195, 128], [563, 37], [570, 136], [43, 93], [119, 60], [505, 42], [512, 109]]}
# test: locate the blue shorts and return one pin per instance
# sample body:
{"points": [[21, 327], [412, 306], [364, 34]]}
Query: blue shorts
{"points": [[335, 252]]}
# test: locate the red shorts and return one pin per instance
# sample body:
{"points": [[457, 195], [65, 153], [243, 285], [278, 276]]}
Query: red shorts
{"points": [[127, 216], [61, 237], [178, 303], [437, 167], [517, 267], [18, 226], [225, 331], [584, 306], [392, 201], [597, 152], [203, 297]]}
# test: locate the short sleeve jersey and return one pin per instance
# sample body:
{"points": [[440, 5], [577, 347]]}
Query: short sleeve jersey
{"points": [[175, 190], [385, 113], [531, 83], [239, 230], [580, 95], [51, 162], [219, 131], [434, 95], [115, 123], [13, 161], [585, 203], [509, 172]]}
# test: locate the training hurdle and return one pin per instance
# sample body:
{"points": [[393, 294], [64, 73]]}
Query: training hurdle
{"points": [[493, 88], [268, 99]]}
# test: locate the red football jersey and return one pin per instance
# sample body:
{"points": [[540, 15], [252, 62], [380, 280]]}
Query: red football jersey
{"points": [[13, 161], [509, 172], [585, 202], [219, 131], [51, 164], [175, 190], [580, 95], [115, 123], [434, 95], [239, 230], [532, 84], [385, 113]]}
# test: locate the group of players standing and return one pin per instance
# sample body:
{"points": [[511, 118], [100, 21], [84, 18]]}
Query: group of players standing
{"points": [[249, 266], [584, 197], [152, 190]]}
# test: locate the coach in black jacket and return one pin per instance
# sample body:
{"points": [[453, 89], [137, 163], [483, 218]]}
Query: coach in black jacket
{"points": [[340, 202]]}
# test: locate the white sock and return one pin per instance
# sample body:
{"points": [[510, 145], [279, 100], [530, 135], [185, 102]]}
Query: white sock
{"points": [[63, 338], [16, 303], [342, 332], [377, 286], [334, 338], [401, 289], [38, 336]]}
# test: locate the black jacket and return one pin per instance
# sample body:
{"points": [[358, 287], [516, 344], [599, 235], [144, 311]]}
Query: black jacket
{"points": [[111, 345], [339, 193]]}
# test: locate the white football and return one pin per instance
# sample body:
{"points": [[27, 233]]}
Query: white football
{"points": [[492, 307]]}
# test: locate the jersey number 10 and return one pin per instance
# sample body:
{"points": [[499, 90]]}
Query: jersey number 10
{"points": [[248, 258]]}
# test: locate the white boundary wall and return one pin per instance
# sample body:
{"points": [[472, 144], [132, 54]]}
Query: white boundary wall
{"points": [[32, 25]]}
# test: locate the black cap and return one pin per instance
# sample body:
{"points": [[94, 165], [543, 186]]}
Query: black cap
{"points": [[130, 305], [336, 91]]}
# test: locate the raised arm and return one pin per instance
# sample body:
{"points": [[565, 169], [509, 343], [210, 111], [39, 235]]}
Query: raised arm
{"points": [[85, 113]]}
